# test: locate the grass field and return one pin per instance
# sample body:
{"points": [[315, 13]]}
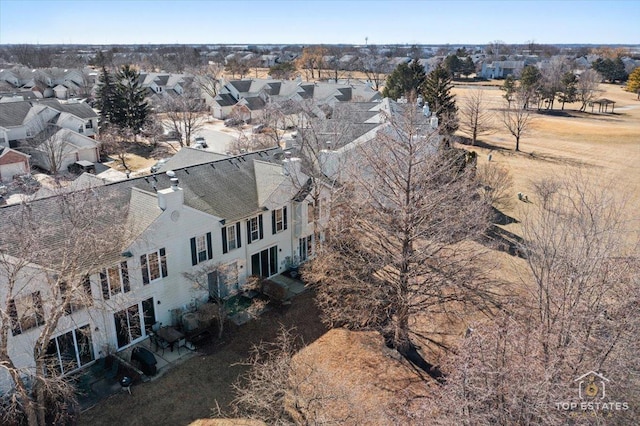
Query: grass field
{"points": [[606, 147]]}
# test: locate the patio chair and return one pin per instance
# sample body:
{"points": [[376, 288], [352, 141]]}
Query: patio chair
{"points": [[159, 342]]}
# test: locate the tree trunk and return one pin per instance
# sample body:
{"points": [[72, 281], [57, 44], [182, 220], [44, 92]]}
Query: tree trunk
{"points": [[517, 143]]}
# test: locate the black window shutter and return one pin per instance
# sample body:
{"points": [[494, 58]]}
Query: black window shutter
{"points": [[273, 222], [225, 248], [284, 216], [145, 270], [209, 246], [238, 236], [194, 255], [249, 231], [260, 226], [124, 268], [105, 284]]}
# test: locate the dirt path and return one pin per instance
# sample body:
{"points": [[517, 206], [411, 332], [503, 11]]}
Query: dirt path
{"points": [[190, 390]]}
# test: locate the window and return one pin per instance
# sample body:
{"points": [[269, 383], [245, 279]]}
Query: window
{"points": [[78, 300], [26, 312], [134, 322], [265, 263], [70, 351], [278, 220], [115, 280], [80, 129], [231, 238], [154, 266], [306, 247], [201, 249], [254, 229], [310, 213], [89, 124]]}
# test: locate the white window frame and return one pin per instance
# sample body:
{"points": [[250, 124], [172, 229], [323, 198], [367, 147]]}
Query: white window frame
{"points": [[279, 220], [115, 280], [150, 261], [201, 248], [232, 237], [254, 231]]}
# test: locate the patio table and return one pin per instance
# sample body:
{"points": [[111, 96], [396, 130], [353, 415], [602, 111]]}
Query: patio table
{"points": [[170, 335]]}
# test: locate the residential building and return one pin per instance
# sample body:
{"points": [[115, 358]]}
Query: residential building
{"points": [[227, 219]]}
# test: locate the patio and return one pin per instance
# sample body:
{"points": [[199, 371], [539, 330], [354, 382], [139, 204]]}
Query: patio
{"points": [[98, 382], [101, 380]]}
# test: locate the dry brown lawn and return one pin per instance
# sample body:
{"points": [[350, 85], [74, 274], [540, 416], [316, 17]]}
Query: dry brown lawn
{"points": [[605, 147]]}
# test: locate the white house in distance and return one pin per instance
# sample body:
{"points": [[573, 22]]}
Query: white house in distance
{"points": [[501, 69], [231, 218], [22, 120], [64, 147]]}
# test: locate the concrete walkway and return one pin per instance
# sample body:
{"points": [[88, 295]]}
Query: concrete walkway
{"points": [[293, 286]]}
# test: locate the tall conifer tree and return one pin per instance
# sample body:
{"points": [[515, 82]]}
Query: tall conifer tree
{"points": [[436, 91]]}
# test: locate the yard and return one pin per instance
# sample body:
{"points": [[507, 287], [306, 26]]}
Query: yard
{"points": [[191, 390]]}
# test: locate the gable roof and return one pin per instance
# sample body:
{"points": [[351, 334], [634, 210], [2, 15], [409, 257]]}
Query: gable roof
{"points": [[10, 156], [225, 99], [241, 86], [225, 188], [13, 113], [188, 157]]}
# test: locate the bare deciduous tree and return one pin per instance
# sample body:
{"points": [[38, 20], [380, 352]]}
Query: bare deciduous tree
{"points": [[398, 240], [49, 147], [47, 250], [282, 390], [475, 118], [115, 142], [517, 118], [587, 87], [496, 184], [577, 313], [208, 79], [186, 113], [251, 143]]}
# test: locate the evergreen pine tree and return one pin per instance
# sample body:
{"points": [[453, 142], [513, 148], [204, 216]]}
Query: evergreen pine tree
{"points": [[106, 97], [405, 80], [436, 91], [132, 111], [569, 91], [509, 87]]}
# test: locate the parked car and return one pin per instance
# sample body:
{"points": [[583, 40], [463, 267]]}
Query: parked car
{"points": [[200, 142], [170, 135], [231, 122], [82, 166], [158, 165], [258, 128]]}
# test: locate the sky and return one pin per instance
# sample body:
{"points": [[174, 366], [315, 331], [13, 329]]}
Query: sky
{"points": [[319, 22]]}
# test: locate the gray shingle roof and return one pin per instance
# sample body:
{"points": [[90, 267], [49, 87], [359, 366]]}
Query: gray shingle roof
{"points": [[241, 86], [13, 113], [187, 157], [225, 188], [226, 99], [255, 103]]}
